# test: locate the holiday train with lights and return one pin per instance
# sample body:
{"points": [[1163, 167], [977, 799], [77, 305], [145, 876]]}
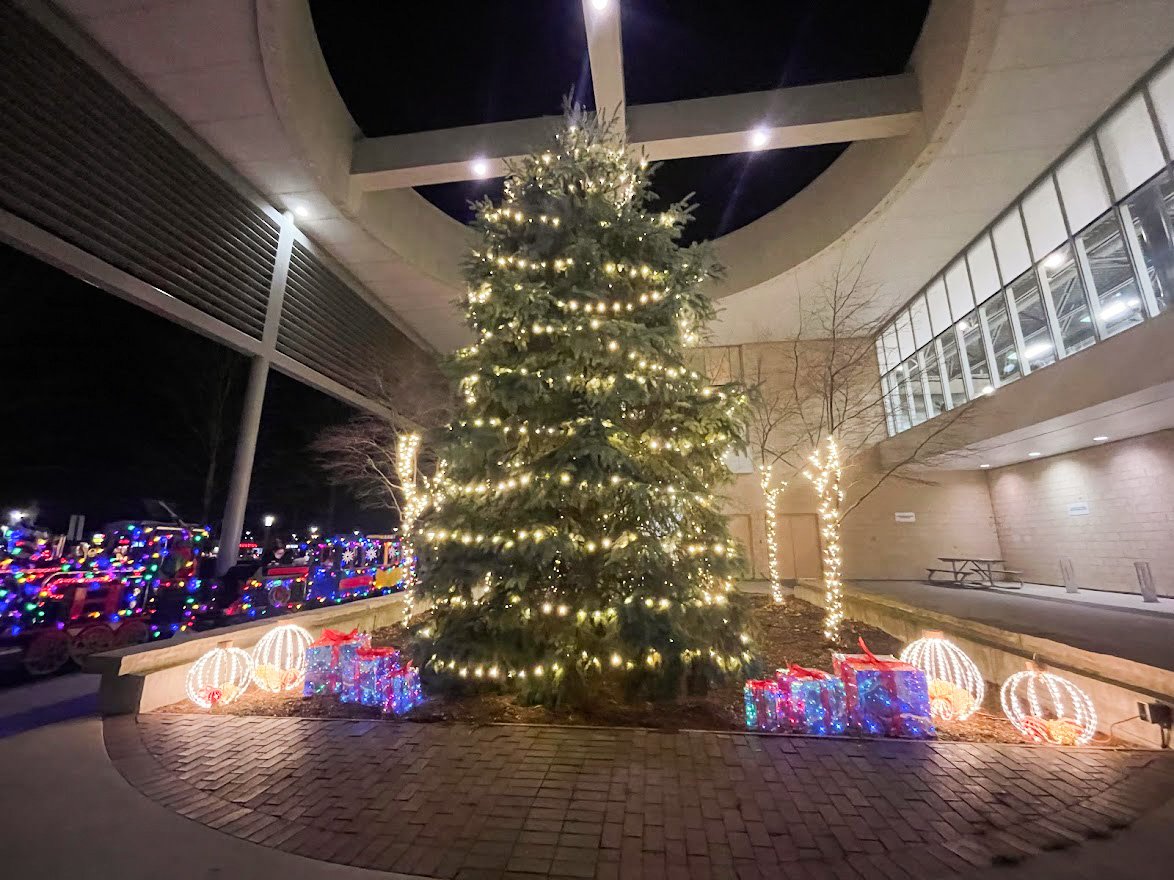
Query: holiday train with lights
{"points": [[148, 581]]}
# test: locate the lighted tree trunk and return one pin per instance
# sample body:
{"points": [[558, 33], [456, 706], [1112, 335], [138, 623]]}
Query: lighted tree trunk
{"points": [[772, 494], [825, 474]]}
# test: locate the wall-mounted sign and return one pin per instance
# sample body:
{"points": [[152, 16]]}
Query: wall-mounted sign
{"points": [[905, 516], [1078, 508]]}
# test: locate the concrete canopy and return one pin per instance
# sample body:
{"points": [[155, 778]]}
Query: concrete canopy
{"points": [[994, 93]]}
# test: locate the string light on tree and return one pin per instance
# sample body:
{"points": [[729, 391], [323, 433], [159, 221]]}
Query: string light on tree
{"points": [[219, 676], [956, 687], [279, 658], [574, 532], [825, 473], [1047, 708], [772, 493]]}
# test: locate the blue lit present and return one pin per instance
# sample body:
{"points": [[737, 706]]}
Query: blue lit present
{"points": [[385, 680], [330, 661], [885, 697], [812, 702], [405, 691], [761, 700]]}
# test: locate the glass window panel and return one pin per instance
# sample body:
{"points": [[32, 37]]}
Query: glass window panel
{"points": [[1161, 90], [975, 352], [958, 289], [905, 335], [933, 378], [1045, 223], [1150, 211], [892, 354], [1082, 187], [919, 317], [1068, 299], [1038, 348], [1115, 290], [887, 399], [914, 392], [1010, 244], [898, 401], [1002, 339], [1130, 147], [983, 271], [953, 368], [881, 366], [939, 306]]}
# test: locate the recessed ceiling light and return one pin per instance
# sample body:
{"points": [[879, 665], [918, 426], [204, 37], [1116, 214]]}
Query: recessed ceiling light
{"points": [[984, 465], [600, 5], [759, 138], [1054, 261], [301, 211], [480, 167], [988, 390], [1033, 455], [1101, 439]]}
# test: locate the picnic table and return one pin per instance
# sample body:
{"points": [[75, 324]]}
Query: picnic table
{"points": [[972, 571]]}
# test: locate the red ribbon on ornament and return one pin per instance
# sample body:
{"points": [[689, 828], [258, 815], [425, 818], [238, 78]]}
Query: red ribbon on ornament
{"points": [[336, 640]]}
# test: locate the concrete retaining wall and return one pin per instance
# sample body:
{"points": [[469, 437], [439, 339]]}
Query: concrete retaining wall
{"points": [[1116, 685], [145, 677]]}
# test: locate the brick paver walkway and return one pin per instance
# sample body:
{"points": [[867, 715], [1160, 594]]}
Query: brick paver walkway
{"points": [[519, 801]]}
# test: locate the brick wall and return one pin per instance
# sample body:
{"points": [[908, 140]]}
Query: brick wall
{"points": [[1129, 487]]}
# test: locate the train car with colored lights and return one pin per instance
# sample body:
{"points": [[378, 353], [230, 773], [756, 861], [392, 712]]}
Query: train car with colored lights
{"points": [[139, 583]]}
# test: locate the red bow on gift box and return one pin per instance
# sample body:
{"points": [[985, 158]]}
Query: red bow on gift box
{"points": [[797, 671], [336, 640], [374, 653]]}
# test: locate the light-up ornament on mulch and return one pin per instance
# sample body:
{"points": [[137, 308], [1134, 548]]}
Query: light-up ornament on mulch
{"points": [[219, 677], [956, 687], [1047, 708], [279, 659]]}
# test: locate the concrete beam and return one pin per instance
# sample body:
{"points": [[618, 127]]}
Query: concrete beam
{"points": [[605, 50], [838, 112], [827, 113]]}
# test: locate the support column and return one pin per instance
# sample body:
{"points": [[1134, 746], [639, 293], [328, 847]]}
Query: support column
{"points": [[242, 466], [246, 445]]}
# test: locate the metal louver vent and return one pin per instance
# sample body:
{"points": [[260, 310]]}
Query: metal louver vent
{"points": [[78, 159], [327, 326]]}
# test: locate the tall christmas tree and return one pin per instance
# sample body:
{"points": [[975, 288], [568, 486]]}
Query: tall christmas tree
{"points": [[575, 534]]}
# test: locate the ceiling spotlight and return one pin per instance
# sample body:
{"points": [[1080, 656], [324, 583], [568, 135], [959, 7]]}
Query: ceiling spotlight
{"points": [[984, 465], [987, 390], [1054, 261], [1100, 439], [600, 5], [480, 167], [759, 138], [1033, 455], [301, 211]]}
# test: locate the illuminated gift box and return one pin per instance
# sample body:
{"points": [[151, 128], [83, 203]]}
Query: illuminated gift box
{"points": [[404, 692], [811, 701], [885, 697], [761, 700], [373, 670], [330, 661]]}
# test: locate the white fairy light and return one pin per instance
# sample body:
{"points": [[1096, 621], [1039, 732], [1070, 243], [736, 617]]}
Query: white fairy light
{"points": [[219, 677], [1047, 708], [956, 687], [772, 544], [826, 478], [279, 659]]}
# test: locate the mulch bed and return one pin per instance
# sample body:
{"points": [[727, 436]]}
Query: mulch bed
{"points": [[788, 633]]}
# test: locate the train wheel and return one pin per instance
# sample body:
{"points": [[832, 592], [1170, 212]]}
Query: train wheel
{"points": [[279, 596], [46, 653], [133, 632], [93, 639]]}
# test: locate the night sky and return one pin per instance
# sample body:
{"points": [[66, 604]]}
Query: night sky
{"points": [[107, 404], [517, 59]]}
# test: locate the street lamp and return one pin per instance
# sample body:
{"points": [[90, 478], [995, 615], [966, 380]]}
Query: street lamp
{"points": [[15, 516], [269, 520]]}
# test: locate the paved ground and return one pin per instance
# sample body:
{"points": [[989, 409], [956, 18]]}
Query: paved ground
{"points": [[32, 704], [1142, 637], [1104, 599], [498, 801]]}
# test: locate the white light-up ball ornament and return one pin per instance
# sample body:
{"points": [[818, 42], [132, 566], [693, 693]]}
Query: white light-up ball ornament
{"points": [[1048, 708], [279, 659], [219, 677], [956, 687]]}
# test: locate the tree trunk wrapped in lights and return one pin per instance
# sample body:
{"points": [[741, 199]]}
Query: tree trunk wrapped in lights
{"points": [[575, 533], [825, 473], [772, 493]]}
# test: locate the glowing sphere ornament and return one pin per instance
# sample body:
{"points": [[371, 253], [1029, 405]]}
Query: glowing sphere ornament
{"points": [[956, 687], [220, 676], [279, 659], [1047, 708]]}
